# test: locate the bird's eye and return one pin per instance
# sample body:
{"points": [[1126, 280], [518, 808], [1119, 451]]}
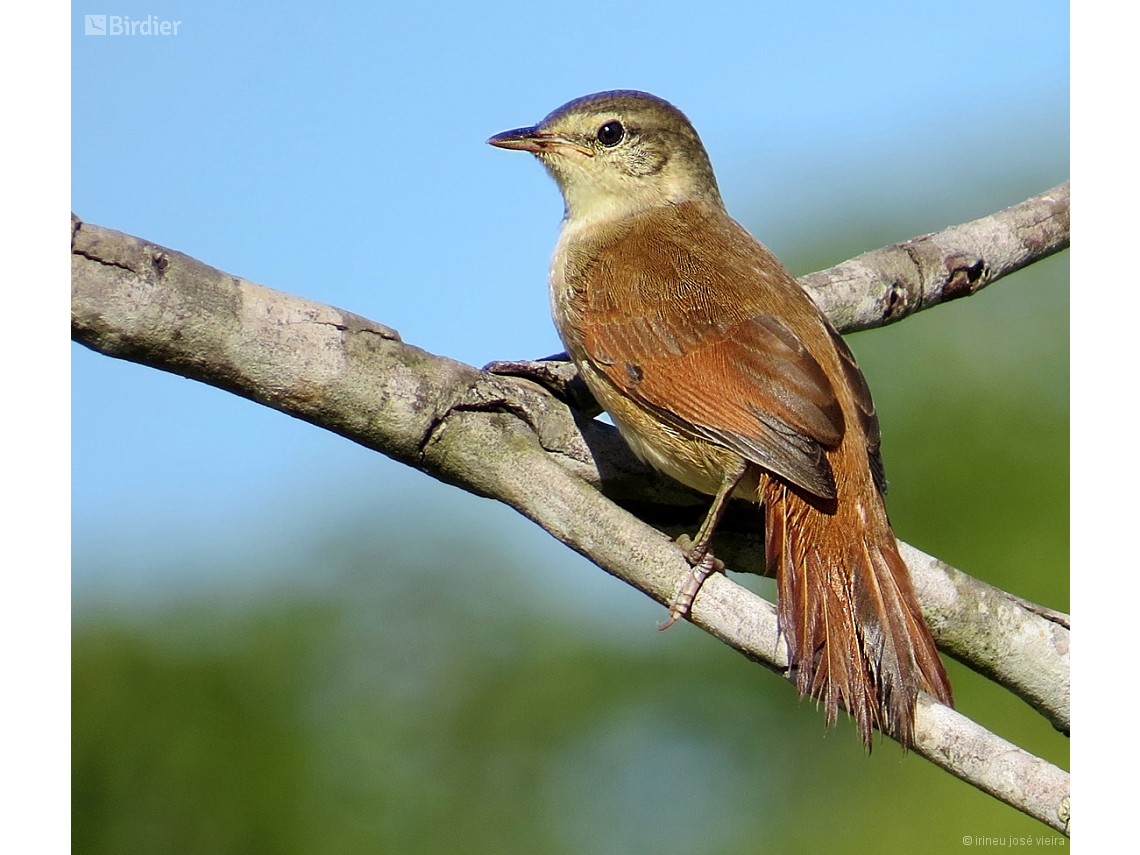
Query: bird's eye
{"points": [[610, 134]]}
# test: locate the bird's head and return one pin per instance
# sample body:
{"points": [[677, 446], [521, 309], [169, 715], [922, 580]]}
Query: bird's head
{"points": [[616, 153]]}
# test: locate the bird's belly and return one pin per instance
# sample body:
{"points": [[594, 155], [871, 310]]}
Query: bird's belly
{"points": [[695, 463]]}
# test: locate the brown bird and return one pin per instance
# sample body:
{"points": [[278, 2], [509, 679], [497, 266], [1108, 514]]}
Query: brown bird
{"points": [[720, 371]]}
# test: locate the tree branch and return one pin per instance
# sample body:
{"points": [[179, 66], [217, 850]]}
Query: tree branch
{"points": [[509, 440], [886, 285]]}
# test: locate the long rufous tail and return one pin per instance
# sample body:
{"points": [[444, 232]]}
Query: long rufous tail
{"points": [[855, 634]]}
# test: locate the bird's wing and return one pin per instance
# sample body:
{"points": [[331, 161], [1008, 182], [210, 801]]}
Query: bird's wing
{"points": [[694, 336], [865, 407], [752, 389]]}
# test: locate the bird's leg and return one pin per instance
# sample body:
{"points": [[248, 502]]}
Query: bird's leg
{"points": [[697, 551]]}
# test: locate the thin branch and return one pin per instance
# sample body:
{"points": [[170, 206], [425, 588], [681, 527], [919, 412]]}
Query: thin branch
{"points": [[889, 284], [511, 441]]}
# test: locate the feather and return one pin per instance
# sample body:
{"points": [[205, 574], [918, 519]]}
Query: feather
{"points": [[856, 637]]}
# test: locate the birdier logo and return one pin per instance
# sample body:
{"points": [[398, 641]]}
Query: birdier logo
{"points": [[123, 25]]}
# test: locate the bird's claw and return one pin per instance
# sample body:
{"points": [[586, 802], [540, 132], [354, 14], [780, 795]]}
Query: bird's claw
{"points": [[702, 567]]}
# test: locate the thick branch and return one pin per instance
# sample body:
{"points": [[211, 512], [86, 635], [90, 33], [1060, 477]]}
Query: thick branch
{"points": [[507, 440], [1014, 643]]}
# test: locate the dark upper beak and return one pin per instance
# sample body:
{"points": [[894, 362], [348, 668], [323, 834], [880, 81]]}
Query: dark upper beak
{"points": [[533, 140], [522, 139]]}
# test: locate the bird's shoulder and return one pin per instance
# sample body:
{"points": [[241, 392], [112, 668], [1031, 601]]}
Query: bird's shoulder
{"points": [[689, 259]]}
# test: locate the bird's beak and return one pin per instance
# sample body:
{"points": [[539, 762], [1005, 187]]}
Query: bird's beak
{"points": [[533, 140]]}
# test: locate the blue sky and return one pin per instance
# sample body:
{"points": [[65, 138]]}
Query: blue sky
{"points": [[337, 152]]}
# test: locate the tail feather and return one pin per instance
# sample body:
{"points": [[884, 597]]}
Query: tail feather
{"points": [[856, 637]]}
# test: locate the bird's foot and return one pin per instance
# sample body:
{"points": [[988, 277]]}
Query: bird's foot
{"points": [[556, 374], [703, 564]]}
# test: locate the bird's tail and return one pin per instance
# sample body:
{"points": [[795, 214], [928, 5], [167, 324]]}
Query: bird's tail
{"points": [[847, 608]]}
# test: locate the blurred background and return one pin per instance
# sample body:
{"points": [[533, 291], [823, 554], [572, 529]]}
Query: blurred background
{"points": [[284, 643]]}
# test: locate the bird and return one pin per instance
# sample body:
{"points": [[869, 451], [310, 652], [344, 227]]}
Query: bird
{"points": [[719, 370]]}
